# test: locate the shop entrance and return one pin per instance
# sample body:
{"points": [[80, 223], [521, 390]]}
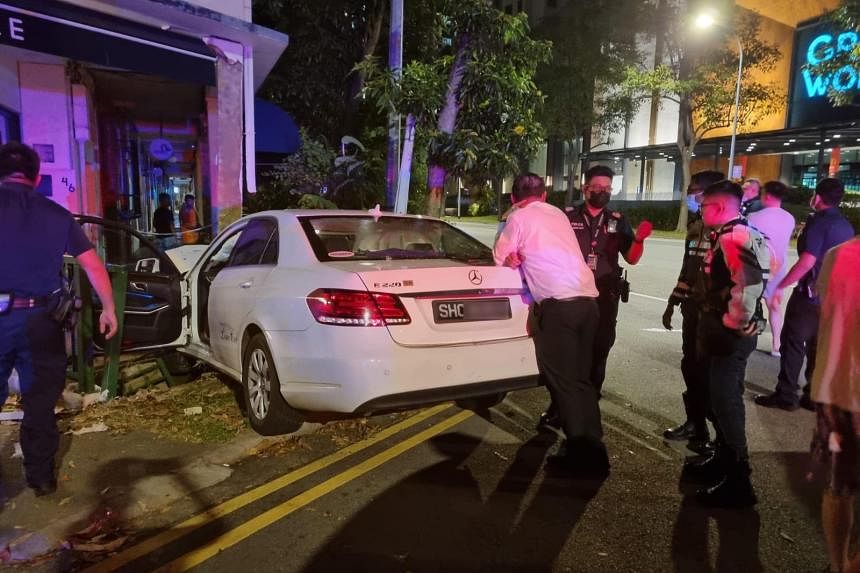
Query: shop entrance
{"points": [[152, 150]]}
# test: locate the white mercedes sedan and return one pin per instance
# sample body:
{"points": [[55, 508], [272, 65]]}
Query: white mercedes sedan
{"points": [[327, 314]]}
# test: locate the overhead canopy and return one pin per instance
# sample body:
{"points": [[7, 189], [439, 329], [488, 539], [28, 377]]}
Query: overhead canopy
{"points": [[136, 35], [276, 132]]}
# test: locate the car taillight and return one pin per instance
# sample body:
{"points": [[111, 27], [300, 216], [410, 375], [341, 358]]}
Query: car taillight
{"points": [[356, 308]]}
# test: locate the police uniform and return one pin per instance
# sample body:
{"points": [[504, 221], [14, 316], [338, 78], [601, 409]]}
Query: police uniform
{"points": [[602, 239], [823, 230], [730, 286], [34, 234], [697, 243], [751, 206]]}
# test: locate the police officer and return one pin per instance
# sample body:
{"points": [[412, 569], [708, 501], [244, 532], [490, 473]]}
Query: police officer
{"points": [[730, 286], [35, 233], [695, 428], [752, 197], [824, 229], [602, 235]]}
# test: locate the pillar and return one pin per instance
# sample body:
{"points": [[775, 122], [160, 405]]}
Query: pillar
{"points": [[225, 121]]}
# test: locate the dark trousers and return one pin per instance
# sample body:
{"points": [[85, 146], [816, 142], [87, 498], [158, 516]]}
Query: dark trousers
{"points": [[563, 338], [33, 343], [725, 355], [696, 395], [604, 338], [798, 340]]}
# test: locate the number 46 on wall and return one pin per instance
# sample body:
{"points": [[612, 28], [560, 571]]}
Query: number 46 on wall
{"points": [[70, 187]]}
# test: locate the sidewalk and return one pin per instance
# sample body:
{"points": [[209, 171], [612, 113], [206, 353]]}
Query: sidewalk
{"points": [[121, 476]]}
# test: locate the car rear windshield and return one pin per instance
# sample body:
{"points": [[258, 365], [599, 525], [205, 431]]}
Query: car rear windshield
{"points": [[390, 238]]}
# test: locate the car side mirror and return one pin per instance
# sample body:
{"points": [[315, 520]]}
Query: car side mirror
{"points": [[151, 265]]}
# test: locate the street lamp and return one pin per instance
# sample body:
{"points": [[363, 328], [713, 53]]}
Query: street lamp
{"points": [[704, 21]]}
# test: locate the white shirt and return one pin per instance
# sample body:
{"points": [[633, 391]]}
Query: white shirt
{"points": [[552, 261], [776, 224], [836, 379]]}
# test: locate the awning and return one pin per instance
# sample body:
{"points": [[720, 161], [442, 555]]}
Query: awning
{"points": [[195, 21], [276, 132], [136, 34], [80, 34]]}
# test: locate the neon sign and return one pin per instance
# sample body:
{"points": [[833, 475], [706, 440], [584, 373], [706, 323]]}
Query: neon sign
{"points": [[821, 49]]}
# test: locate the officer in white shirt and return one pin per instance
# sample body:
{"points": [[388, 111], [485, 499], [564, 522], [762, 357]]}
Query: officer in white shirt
{"points": [[539, 240]]}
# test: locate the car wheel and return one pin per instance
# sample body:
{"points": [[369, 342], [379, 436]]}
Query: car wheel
{"points": [[480, 403], [268, 412]]}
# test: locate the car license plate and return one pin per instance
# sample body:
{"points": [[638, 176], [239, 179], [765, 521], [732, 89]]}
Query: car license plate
{"points": [[471, 310]]}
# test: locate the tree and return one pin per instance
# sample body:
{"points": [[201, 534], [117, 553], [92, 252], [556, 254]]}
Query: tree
{"points": [[593, 43], [472, 97], [702, 80], [314, 78]]}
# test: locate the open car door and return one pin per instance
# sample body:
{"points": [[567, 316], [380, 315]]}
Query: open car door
{"points": [[154, 315]]}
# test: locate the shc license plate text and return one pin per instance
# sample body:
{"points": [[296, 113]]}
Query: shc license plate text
{"points": [[471, 310]]}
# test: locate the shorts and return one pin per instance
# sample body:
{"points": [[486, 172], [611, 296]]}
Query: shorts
{"points": [[836, 449]]}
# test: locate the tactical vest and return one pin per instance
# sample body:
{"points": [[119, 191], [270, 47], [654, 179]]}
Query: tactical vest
{"points": [[715, 280]]}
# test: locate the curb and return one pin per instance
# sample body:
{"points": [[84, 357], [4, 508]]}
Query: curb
{"points": [[200, 472]]}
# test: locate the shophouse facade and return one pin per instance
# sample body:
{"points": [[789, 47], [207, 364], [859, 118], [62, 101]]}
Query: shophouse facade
{"points": [[127, 99]]}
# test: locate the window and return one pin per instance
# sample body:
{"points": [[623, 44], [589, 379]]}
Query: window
{"points": [[252, 242], [270, 255], [389, 238], [10, 126]]}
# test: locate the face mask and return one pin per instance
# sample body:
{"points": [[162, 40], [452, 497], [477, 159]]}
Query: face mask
{"points": [[692, 205], [599, 200]]}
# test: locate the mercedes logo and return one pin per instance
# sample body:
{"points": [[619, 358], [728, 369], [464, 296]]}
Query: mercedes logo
{"points": [[475, 277]]}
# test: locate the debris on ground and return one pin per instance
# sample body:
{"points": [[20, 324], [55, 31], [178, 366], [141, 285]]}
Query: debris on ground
{"points": [[103, 535], [164, 412], [97, 427], [94, 398], [12, 416], [72, 401], [340, 433]]}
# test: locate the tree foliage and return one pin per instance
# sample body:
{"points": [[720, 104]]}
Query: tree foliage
{"points": [[593, 44], [497, 100], [314, 79], [702, 81]]}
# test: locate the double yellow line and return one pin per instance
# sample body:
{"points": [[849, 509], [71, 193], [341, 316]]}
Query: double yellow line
{"points": [[234, 536]]}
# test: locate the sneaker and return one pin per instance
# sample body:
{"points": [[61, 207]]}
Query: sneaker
{"points": [[775, 401]]}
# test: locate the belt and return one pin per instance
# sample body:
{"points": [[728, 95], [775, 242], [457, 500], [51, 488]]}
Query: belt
{"points": [[573, 299], [32, 302]]}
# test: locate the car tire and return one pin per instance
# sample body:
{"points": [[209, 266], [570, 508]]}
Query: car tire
{"points": [[481, 403], [268, 412]]}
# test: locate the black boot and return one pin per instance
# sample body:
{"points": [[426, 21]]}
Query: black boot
{"points": [[734, 491], [694, 430], [705, 469], [685, 431], [549, 421]]}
